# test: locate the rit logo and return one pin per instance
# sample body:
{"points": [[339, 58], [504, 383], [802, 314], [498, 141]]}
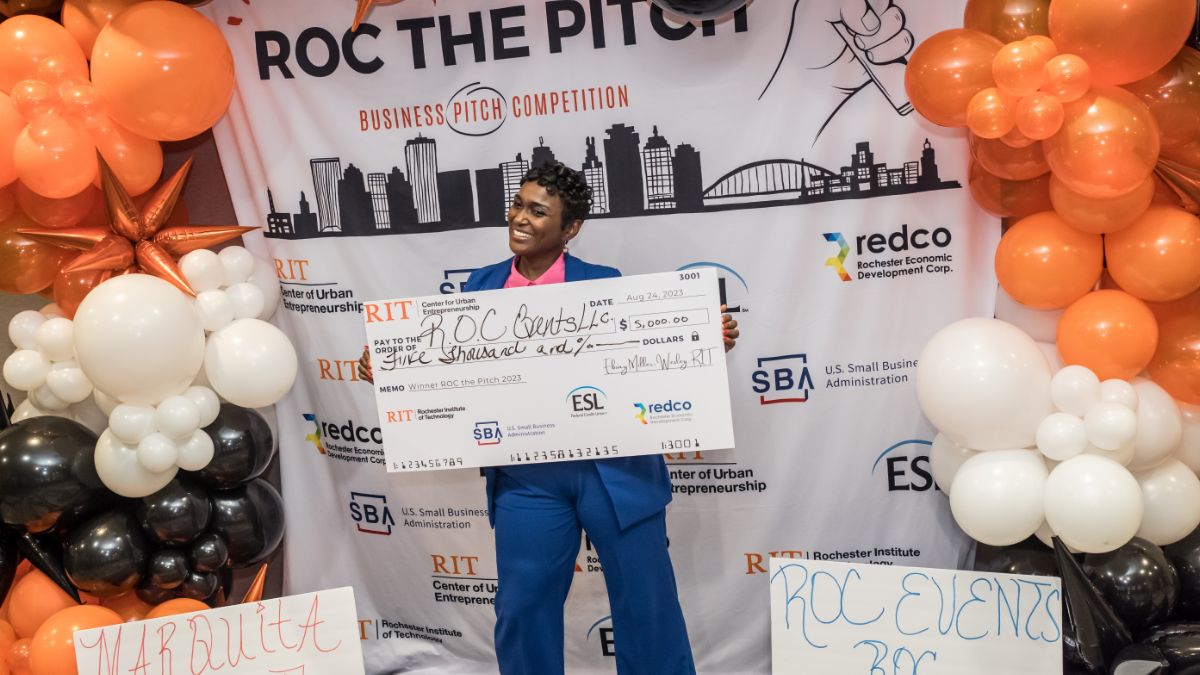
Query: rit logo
{"points": [[756, 563], [291, 270], [456, 565]]}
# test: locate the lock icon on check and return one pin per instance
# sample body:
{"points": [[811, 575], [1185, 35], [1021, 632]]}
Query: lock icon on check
{"points": [[695, 336]]}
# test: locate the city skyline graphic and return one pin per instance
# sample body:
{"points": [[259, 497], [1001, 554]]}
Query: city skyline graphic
{"points": [[629, 178]]}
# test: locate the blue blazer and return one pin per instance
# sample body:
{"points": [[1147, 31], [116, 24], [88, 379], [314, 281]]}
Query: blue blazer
{"points": [[638, 486]]}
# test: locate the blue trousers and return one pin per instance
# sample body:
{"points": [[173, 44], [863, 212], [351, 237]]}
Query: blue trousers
{"points": [[540, 510]]}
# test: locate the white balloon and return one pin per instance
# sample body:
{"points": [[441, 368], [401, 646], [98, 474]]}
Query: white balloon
{"points": [[246, 299], [1171, 494], [23, 327], [1119, 391], [1159, 425], [215, 309], [945, 459], [1074, 390], [54, 339], [196, 452], [138, 339], [157, 453], [1050, 351], [131, 423], [1039, 324], [984, 384], [106, 402], [67, 381], [1110, 425], [997, 496], [202, 269], [250, 363], [1093, 503], [46, 400], [1122, 455], [89, 414], [119, 469], [1061, 436], [206, 402], [1189, 446], [237, 262], [264, 277], [51, 310], [1046, 536], [26, 410], [177, 416], [26, 369]]}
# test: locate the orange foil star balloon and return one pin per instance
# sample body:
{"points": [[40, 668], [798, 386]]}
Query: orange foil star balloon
{"points": [[134, 239], [255, 592], [364, 6]]}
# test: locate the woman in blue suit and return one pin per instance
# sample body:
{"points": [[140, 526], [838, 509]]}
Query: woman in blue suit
{"points": [[538, 510]]}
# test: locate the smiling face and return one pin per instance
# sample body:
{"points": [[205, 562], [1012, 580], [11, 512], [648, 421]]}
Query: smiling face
{"points": [[535, 223]]}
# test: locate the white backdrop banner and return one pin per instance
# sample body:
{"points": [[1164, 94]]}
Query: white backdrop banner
{"points": [[379, 164]]}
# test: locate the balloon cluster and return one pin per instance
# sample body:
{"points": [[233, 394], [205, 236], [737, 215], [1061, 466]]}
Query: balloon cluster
{"points": [[1025, 450], [44, 363]]}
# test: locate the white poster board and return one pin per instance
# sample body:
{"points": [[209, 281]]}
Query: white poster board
{"points": [[832, 617], [305, 634]]}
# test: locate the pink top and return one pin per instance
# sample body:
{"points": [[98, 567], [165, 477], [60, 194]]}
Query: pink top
{"points": [[557, 274]]}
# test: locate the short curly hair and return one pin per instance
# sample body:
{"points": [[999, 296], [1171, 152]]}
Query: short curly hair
{"points": [[567, 183]]}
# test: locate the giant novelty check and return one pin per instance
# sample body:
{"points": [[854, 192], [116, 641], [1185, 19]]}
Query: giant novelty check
{"points": [[585, 370]]}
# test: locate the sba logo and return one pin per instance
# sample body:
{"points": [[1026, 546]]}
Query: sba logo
{"points": [[371, 513], [488, 433], [782, 379], [586, 399]]}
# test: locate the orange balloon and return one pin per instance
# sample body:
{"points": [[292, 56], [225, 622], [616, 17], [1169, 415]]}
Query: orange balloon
{"points": [[1068, 77], [8, 202], [176, 606], [8, 635], [70, 288], [1163, 194], [1016, 139], [83, 19], [55, 158], [1123, 41], [128, 605], [1046, 264], [946, 70], [1176, 363], [1107, 146], [1019, 67], [1007, 162], [27, 266], [1173, 94], [18, 656], [1043, 44], [32, 600], [1111, 332], [137, 161], [164, 70], [11, 124], [1009, 198], [1039, 115], [1009, 20], [27, 40], [1100, 215], [66, 212], [1157, 258], [991, 113], [53, 649]]}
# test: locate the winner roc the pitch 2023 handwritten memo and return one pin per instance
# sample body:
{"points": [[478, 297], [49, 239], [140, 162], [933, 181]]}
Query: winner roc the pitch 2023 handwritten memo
{"points": [[587, 370]]}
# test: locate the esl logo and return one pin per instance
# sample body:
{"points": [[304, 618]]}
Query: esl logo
{"points": [[782, 379], [587, 401], [488, 433], [908, 469], [370, 513]]}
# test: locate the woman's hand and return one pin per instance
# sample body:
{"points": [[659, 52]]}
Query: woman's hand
{"points": [[728, 328], [364, 365]]}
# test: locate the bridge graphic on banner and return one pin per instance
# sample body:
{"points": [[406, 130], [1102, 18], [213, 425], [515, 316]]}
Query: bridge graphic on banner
{"points": [[633, 180]]}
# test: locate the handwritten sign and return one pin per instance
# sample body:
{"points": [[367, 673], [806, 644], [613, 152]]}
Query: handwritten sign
{"points": [[831, 617], [308, 634], [586, 370]]}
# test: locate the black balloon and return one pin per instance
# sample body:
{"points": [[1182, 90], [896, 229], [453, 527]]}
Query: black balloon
{"points": [[1092, 631], [1184, 556], [107, 555], [1142, 659], [1179, 642], [199, 586], [209, 553], [48, 473], [1031, 557], [39, 7], [1137, 581], [250, 520], [694, 10], [154, 596], [45, 552], [10, 557], [243, 448], [167, 569], [176, 514]]}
